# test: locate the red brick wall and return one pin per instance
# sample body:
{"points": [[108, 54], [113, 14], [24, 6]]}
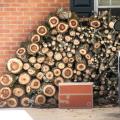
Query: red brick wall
{"points": [[17, 19]]}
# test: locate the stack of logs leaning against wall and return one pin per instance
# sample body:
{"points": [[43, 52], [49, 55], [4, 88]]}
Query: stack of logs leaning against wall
{"points": [[65, 48]]}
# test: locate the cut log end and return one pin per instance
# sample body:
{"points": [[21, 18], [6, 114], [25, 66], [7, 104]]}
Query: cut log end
{"points": [[49, 90], [5, 93], [6, 80], [40, 99], [12, 102]]}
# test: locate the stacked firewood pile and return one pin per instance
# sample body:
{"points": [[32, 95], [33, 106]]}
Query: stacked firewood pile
{"points": [[65, 49]]}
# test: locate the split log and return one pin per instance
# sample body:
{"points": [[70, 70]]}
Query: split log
{"points": [[5, 93], [40, 75], [58, 80], [24, 78], [62, 27], [50, 54], [12, 102], [73, 23], [14, 65], [49, 90], [32, 48], [6, 80], [18, 91], [65, 59], [53, 21], [40, 99], [35, 38], [67, 72], [42, 30], [76, 42], [25, 101], [59, 37], [35, 84]]}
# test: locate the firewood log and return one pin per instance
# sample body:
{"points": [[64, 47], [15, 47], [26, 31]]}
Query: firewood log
{"points": [[40, 99], [45, 68], [24, 78], [68, 38], [21, 53], [72, 33], [41, 59], [49, 90], [57, 56], [62, 27], [32, 60], [26, 66], [54, 31], [83, 49], [35, 38], [14, 65], [31, 71], [64, 14], [32, 48], [73, 23], [58, 80], [40, 75], [81, 66], [37, 66], [28, 89], [5, 93], [53, 21], [42, 30], [18, 91], [95, 23], [35, 84], [25, 101], [12, 102], [49, 75], [2, 103], [6, 80], [57, 72], [67, 72], [60, 65], [45, 50]]}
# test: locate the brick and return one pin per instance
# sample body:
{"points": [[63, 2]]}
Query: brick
{"points": [[76, 95], [76, 88], [18, 18], [76, 101]]}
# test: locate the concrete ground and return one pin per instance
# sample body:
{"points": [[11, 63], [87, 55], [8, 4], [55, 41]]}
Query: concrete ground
{"points": [[60, 114], [75, 114]]}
